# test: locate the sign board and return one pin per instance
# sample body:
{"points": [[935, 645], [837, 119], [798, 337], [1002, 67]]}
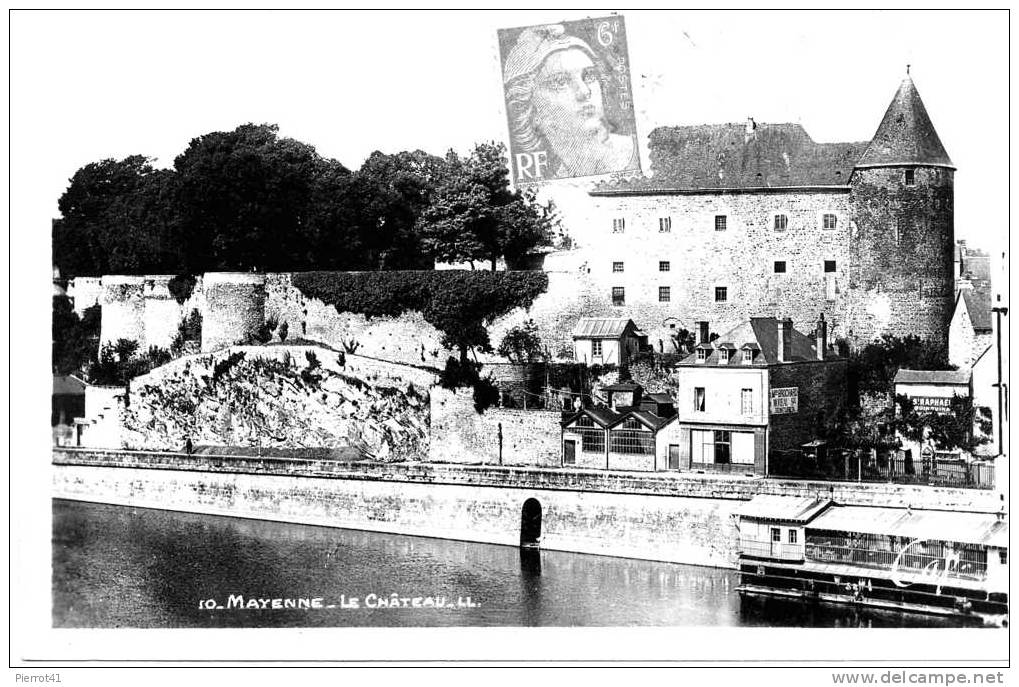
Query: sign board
{"points": [[932, 404], [785, 401]]}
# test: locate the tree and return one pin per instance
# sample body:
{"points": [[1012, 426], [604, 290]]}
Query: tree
{"points": [[118, 216], [872, 369], [475, 216], [75, 340], [521, 344]]}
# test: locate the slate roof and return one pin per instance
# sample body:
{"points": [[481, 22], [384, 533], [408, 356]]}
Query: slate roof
{"points": [[978, 304], [601, 327], [661, 398], [651, 420], [953, 377], [741, 156], [761, 332], [906, 134]]}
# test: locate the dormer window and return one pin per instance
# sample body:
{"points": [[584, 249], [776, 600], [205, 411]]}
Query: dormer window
{"points": [[702, 355], [748, 356], [723, 356], [910, 177]]}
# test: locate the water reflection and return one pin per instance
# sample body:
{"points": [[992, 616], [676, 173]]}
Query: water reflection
{"points": [[116, 566]]}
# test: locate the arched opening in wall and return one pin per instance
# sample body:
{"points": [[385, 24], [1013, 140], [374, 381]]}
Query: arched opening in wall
{"points": [[530, 523]]}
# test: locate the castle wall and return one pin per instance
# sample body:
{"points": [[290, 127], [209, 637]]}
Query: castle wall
{"points": [[902, 252], [84, 292], [741, 258], [162, 313], [235, 307], [123, 309]]}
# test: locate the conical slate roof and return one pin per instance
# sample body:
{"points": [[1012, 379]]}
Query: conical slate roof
{"points": [[906, 135]]}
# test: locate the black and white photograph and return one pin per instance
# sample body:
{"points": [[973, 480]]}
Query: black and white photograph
{"points": [[575, 337]]}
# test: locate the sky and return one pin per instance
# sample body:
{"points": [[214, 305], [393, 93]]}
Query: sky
{"points": [[94, 85]]}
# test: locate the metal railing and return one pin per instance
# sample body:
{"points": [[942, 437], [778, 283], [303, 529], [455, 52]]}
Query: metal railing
{"points": [[945, 470]]}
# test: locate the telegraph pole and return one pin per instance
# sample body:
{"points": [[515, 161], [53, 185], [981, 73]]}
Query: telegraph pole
{"points": [[999, 311]]}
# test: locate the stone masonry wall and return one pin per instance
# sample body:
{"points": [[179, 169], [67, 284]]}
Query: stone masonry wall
{"points": [[123, 310], [459, 434], [741, 258], [902, 252], [235, 308], [822, 392]]}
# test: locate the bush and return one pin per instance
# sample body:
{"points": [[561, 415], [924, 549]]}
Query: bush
{"points": [[458, 303], [521, 344], [181, 287], [466, 374], [119, 363], [223, 366], [189, 329], [75, 340], [283, 331]]}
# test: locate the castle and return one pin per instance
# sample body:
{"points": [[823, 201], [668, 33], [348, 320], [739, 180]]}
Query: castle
{"points": [[758, 220]]}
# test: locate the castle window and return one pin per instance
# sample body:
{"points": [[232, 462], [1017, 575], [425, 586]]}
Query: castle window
{"points": [[721, 294], [779, 266], [618, 225], [664, 224], [720, 222], [910, 177], [829, 266], [664, 294], [828, 220], [617, 267], [596, 348], [895, 231], [618, 295], [664, 266]]}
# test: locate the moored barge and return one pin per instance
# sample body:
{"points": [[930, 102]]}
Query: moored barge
{"points": [[916, 561]]}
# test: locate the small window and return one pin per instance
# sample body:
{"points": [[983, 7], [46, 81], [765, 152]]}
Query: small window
{"points": [[910, 177], [617, 267], [698, 399], [829, 266], [664, 224], [781, 222], [780, 267], [828, 221], [1003, 556], [723, 355], [664, 265], [748, 356], [746, 401], [895, 231], [664, 294], [720, 222], [776, 535], [702, 355], [721, 294], [618, 225], [618, 295], [596, 348], [792, 536]]}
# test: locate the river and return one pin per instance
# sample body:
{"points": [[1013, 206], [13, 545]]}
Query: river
{"points": [[119, 566]]}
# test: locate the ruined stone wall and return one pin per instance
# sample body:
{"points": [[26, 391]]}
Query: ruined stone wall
{"points": [[234, 307], [902, 252], [459, 434]]}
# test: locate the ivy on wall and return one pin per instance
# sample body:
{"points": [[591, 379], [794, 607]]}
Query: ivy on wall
{"points": [[459, 303]]}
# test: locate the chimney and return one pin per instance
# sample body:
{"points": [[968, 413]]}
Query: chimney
{"points": [[964, 282], [822, 337], [702, 332], [785, 335]]}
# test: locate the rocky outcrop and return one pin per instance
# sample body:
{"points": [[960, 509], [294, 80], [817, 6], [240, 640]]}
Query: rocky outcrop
{"points": [[278, 396]]}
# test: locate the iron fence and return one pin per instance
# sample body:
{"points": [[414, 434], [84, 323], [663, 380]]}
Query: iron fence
{"points": [[941, 469]]}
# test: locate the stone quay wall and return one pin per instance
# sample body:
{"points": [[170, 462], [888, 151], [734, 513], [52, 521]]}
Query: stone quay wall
{"points": [[677, 518]]}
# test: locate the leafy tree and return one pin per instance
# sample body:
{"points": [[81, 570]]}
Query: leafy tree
{"points": [[475, 216], [872, 368], [521, 344], [75, 339], [189, 329], [118, 216]]}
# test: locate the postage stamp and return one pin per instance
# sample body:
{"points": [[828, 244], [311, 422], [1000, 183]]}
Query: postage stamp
{"points": [[569, 102]]}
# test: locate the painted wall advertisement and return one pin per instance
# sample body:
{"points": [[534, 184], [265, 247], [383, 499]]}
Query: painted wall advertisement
{"points": [[785, 401], [932, 404]]}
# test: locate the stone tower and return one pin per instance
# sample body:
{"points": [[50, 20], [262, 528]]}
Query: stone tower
{"points": [[902, 241]]}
